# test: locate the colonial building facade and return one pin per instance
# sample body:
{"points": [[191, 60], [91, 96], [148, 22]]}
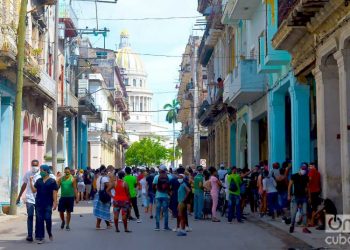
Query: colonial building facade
{"points": [[278, 87]]}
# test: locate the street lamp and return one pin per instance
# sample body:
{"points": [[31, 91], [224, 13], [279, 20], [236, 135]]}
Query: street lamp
{"points": [[108, 89]]}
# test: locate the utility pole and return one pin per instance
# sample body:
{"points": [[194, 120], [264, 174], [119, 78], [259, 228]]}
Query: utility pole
{"points": [[21, 33], [55, 103], [196, 136]]}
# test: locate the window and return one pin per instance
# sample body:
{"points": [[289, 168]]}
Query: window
{"points": [[134, 82], [126, 81], [141, 106], [140, 83]]}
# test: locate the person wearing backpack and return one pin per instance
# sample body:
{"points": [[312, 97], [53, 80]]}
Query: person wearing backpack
{"points": [[234, 205], [161, 184]]}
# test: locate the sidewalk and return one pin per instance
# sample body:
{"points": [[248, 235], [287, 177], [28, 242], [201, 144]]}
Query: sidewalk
{"points": [[317, 238]]}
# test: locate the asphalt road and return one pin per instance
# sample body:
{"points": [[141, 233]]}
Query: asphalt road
{"points": [[206, 235]]}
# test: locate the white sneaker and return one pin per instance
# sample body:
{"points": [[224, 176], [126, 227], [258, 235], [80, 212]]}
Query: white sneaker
{"points": [[188, 229], [138, 221], [176, 229]]}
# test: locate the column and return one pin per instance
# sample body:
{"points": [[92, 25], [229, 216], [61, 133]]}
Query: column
{"points": [[343, 60], [328, 127], [253, 143], [6, 137], [300, 105], [277, 134]]}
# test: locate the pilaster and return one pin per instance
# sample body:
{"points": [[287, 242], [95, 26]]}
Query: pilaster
{"points": [[277, 134], [300, 102], [343, 61]]}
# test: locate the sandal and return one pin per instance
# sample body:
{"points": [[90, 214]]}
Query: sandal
{"points": [[215, 220]]}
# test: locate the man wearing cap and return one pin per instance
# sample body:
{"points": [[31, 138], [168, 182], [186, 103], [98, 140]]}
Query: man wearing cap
{"points": [[161, 183], [298, 194], [198, 194], [30, 196], [46, 201], [222, 172]]}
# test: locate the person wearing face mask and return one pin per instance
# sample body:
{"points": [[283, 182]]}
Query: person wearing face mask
{"points": [[182, 194], [68, 185], [30, 197], [299, 184], [46, 201]]}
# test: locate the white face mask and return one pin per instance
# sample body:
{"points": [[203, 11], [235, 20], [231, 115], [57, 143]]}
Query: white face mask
{"points": [[35, 169], [302, 172], [180, 180]]}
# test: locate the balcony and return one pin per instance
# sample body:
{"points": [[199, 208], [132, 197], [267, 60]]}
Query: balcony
{"points": [[246, 84], [95, 118], [69, 18], [120, 100], [70, 107], [86, 103], [239, 10], [8, 47], [294, 15]]}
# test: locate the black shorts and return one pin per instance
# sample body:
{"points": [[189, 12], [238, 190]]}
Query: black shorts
{"points": [[66, 204]]}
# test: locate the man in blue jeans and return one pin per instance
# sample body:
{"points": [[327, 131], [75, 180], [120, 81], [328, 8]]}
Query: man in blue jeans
{"points": [[46, 201], [198, 194], [234, 181], [30, 197], [161, 183]]}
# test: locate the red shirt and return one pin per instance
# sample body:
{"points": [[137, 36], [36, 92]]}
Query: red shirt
{"points": [[120, 192], [314, 181]]}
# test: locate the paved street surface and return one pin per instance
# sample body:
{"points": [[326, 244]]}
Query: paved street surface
{"points": [[253, 234]]}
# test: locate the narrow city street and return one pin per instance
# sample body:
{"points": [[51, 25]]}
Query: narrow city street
{"points": [[253, 234]]}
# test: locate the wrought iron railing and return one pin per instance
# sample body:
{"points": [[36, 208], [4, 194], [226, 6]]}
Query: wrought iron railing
{"points": [[284, 8]]}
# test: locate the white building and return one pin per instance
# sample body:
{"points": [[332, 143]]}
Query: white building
{"points": [[140, 96]]}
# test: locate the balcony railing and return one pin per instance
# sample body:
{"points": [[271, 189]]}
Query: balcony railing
{"points": [[47, 84], [284, 8], [246, 84], [8, 47], [69, 18]]}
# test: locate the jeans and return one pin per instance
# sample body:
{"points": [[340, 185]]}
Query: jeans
{"points": [[299, 202], [30, 218], [234, 207], [162, 203], [135, 207], [43, 214], [272, 202], [198, 204], [283, 199]]}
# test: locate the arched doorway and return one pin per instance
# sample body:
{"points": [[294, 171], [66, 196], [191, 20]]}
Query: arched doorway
{"points": [[60, 152], [48, 150], [33, 139], [40, 142], [26, 144]]}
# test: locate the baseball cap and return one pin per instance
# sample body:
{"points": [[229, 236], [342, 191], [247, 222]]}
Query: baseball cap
{"points": [[303, 167], [45, 168], [199, 168], [162, 168]]}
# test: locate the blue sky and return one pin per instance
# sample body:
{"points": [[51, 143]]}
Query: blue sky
{"points": [[167, 37]]}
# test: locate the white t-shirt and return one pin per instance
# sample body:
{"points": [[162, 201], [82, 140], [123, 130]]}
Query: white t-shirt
{"points": [[100, 183], [30, 197], [269, 185], [143, 183]]}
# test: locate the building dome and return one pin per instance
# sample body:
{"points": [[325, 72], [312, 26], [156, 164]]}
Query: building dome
{"points": [[126, 58]]}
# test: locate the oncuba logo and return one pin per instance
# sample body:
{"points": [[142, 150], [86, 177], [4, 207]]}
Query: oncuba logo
{"points": [[338, 223]]}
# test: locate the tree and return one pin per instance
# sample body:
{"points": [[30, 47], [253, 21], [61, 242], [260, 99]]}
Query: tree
{"points": [[178, 153], [171, 117], [148, 151]]}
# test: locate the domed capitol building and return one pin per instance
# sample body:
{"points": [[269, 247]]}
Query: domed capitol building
{"points": [[140, 96]]}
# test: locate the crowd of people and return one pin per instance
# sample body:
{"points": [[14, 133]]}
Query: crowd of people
{"points": [[203, 193]]}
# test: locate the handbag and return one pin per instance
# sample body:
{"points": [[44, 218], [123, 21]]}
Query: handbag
{"points": [[103, 195]]}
